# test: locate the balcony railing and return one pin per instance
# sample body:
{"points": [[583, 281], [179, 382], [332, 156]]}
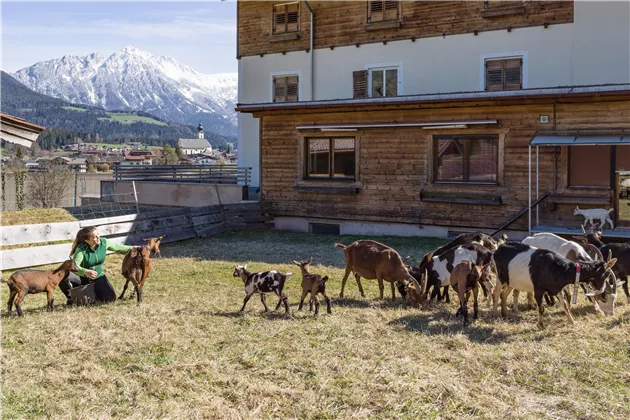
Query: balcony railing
{"points": [[211, 174]]}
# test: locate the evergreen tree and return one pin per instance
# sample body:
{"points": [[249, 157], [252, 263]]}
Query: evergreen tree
{"points": [[170, 155]]}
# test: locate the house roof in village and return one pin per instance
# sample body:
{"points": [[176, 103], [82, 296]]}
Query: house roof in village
{"points": [[534, 93], [193, 143], [140, 157]]}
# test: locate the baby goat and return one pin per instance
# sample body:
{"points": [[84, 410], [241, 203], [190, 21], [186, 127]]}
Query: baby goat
{"points": [[313, 284], [136, 268], [466, 277], [269, 281], [592, 214], [34, 281]]}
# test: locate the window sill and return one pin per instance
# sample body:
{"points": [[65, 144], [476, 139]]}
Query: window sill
{"points": [[461, 198], [502, 11], [292, 36], [578, 199], [386, 24], [329, 186]]}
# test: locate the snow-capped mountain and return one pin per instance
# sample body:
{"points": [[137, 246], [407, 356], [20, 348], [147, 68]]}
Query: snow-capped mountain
{"points": [[136, 80]]}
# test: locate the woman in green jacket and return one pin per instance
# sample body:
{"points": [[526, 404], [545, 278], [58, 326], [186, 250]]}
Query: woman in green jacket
{"points": [[88, 252]]}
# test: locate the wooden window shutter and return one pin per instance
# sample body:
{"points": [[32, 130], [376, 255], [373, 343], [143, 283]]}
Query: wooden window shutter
{"points": [[293, 17], [494, 75], [375, 11], [391, 10], [292, 89], [360, 84], [279, 89], [512, 73]]}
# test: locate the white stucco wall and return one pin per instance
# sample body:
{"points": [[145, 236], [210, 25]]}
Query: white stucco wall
{"points": [[595, 49]]}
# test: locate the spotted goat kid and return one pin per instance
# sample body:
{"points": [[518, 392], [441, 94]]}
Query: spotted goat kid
{"points": [[268, 281]]}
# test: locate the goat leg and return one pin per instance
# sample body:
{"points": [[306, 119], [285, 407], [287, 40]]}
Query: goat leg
{"points": [[476, 301], [393, 291], [18, 302], [530, 301], [625, 289], [263, 299], [445, 292], [345, 278], [515, 309], [124, 289], [279, 294], [566, 298], [541, 310], [328, 305], [285, 300], [139, 293], [358, 279], [316, 301], [11, 299], [50, 298], [304, 293], [247, 297]]}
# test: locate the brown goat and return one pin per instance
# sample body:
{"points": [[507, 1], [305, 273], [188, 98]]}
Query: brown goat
{"points": [[313, 284], [136, 267], [466, 277], [34, 281], [373, 260], [154, 245]]}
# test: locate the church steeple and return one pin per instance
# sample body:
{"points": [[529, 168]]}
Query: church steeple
{"points": [[200, 131]]}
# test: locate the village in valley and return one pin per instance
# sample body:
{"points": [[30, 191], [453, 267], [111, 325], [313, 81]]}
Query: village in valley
{"points": [[428, 201]]}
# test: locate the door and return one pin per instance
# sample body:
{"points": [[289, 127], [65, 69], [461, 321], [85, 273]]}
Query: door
{"points": [[622, 185]]}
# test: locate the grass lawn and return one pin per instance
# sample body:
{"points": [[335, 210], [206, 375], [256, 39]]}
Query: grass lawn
{"points": [[34, 216], [188, 353], [131, 118]]}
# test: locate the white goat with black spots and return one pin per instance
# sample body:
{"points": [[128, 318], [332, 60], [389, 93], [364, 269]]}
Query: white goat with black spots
{"points": [[269, 281]]}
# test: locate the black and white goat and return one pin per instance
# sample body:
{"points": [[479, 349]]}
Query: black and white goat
{"points": [[620, 251], [437, 269], [529, 269], [471, 238], [269, 281], [573, 252]]}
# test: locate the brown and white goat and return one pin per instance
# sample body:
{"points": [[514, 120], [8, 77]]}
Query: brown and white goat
{"points": [[34, 281], [136, 267], [313, 284], [373, 260], [269, 281], [466, 277]]}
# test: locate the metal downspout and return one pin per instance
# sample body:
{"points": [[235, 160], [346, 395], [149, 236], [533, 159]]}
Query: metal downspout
{"points": [[529, 211], [311, 52]]}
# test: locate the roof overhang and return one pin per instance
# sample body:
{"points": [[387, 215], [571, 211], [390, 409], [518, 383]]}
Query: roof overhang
{"points": [[18, 131], [554, 93], [428, 125], [579, 139]]}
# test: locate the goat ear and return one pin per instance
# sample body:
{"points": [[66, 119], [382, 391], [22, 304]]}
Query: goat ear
{"points": [[133, 252], [160, 238]]}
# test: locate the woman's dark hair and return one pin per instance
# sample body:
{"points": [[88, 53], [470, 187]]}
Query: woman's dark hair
{"points": [[82, 236]]}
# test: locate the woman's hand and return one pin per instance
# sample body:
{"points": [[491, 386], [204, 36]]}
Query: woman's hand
{"points": [[91, 274]]}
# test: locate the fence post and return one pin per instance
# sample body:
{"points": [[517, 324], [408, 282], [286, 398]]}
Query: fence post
{"points": [[75, 189], [135, 196]]}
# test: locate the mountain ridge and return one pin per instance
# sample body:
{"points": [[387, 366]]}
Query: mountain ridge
{"points": [[132, 79]]}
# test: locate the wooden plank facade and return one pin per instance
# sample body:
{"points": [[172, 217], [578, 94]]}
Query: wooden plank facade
{"points": [[345, 23], [394, 166]]}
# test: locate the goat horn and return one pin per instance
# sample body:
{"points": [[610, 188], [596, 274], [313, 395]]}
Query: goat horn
{"points": [[596, 252], [426, 280], [609, 255], [415, 283]]}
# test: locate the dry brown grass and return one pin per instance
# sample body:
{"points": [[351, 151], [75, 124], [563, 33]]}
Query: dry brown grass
{"points": [[32, 216], [187, 352]]}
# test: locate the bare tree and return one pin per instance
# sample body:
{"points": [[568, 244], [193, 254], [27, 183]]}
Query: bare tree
{"points": [[47, 189]]}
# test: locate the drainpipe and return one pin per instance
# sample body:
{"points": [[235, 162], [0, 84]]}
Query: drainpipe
{"points": [[311, 52]]}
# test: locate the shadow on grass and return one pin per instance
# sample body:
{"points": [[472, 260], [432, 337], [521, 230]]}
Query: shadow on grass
{"points": [[443, 323], [271, 315]]}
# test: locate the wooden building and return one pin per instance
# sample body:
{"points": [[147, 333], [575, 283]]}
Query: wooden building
{"points": [[354, 147]]}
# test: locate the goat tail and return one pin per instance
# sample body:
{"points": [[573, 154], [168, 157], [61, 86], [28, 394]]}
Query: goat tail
{"points": [[342, 246], [612, 209], [324, 280]]}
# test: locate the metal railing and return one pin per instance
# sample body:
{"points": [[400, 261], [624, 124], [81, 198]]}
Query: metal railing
{"points": [[211, 174]]}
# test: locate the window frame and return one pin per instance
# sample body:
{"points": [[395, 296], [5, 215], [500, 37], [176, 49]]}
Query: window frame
{"points": [[274, 26], [466, 158], [384, 67], [275, 74], [523, 55], [331, 159], [369, 11]]}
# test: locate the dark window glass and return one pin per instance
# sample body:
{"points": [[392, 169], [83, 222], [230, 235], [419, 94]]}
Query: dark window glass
{"points": [[466, 159], [331, 158]]}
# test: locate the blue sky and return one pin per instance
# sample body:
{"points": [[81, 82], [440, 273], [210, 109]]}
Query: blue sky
{"points": [[201, 35]]}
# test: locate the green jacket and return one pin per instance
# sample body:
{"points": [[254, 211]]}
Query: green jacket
{"points": [[87, 258]]}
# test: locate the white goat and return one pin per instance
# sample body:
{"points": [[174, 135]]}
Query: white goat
{"points": [[590, 215]]}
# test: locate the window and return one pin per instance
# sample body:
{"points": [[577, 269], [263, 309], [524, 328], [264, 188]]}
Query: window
{"points": [[504, 74], [465, 159], [286, 18], [379, 11], [383, 82], [490, 4], [589, 166], [286, 88], [330, 158]]}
